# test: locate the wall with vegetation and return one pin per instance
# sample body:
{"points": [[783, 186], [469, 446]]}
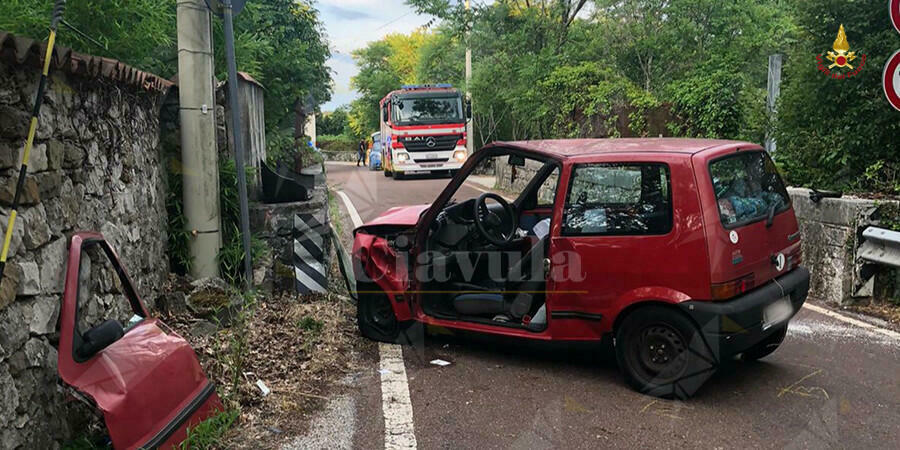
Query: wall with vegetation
{"points": [[95, 166]]}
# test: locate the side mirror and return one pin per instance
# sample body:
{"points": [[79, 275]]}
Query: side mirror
{"points": [[516, 160], [100, 337]]}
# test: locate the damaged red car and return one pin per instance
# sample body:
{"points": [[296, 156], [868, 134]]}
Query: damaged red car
{"points": [[681, 253]]}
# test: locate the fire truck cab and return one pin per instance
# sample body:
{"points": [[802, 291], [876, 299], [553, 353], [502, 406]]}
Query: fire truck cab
{"points": [[423, 130]]}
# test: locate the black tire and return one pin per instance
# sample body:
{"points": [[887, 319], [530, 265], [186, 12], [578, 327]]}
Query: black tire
{"points": [[662, 353], [766, 346], [398, 175], [375, 315], [387, 173]]}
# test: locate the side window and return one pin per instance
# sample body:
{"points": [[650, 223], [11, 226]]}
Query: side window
{"points": [[619, 199], [547, 192]]}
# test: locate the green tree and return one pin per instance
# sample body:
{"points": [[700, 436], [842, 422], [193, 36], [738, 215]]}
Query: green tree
{"points": [[335, 123], [839, 134], [137, 32]]}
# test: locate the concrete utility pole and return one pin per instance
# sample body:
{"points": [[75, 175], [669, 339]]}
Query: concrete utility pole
{"points": [[199, 157], [470, 125]]}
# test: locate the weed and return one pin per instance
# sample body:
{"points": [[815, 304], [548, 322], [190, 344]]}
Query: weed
{"points": [[210, 432], [310, 325]]}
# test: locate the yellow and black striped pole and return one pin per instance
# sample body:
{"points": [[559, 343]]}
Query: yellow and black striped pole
{"points": [[29, 142]]}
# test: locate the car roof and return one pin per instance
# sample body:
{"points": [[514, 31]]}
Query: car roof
{"points": [[567, 148]]}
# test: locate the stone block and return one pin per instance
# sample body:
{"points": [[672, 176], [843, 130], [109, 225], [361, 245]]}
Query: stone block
{"points": [[73, 156], [35, 227], [30, 278], [14, 324], [56, 151], [14, 123], [9, 158], [37, 160], [49, 183], [45, 313], [30, 192], [53, 266], [9, 287], [10, 399]]}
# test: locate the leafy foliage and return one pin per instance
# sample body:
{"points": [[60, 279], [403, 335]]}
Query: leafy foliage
{"points": [[335, 123], [839, 134], [152, 21], [231, 255]]}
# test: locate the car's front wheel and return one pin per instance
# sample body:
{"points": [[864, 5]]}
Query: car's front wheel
{"points": [[662, 353], [375, 315]]}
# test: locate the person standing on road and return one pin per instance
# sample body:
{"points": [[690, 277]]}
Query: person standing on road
{"points": [[361, 153]]}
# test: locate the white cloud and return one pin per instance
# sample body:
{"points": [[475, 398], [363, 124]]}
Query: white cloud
{"points": [[353, 24]]}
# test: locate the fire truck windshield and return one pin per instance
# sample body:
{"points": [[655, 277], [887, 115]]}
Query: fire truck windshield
{"points": [[417, 110]]}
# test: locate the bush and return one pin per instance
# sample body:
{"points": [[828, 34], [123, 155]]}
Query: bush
{"points": [[341, 143], [839, 134]]}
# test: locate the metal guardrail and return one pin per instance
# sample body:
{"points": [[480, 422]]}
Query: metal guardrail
{"points": [[881, 246]]}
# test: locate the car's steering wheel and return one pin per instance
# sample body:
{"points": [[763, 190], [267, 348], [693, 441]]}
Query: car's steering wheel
{"points": [[489, 224]]}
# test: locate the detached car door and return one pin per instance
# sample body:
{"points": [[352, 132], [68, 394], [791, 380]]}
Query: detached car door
{"points": [[147, 380]]}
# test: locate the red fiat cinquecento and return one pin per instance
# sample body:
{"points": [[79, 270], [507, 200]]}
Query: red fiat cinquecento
{"points": [[681, 252]]}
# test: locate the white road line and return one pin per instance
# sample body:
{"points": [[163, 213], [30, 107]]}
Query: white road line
{"points": [[834, 315], [396, 405], [354, 216]]}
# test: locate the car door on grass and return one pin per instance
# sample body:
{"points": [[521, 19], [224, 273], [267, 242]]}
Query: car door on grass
{"points": [[144, 378]]}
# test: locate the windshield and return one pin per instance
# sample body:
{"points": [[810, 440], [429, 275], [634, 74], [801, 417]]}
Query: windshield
{"points": [[428, 110], [747, 187]]}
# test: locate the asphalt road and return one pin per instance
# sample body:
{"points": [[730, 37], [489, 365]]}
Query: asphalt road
{"points": [[832, 384]]}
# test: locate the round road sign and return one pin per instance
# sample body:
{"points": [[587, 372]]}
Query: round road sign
{"points": [[894, 10], [891, 80]]}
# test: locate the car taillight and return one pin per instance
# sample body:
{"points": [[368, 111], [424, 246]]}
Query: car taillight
{"points": [[733, 288]]}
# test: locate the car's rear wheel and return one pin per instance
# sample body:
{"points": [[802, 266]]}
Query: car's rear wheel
{"points": [[662, 353], [766, 346], [375, 315]]}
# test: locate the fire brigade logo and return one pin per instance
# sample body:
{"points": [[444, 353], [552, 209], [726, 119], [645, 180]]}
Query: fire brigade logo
{"points": [[841, 58]]}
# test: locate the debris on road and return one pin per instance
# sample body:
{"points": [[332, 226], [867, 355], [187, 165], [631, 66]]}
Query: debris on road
{"points": [[440, 362], [263, 388]]}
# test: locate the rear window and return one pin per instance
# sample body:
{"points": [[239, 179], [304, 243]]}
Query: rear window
{"points": [[747, 187]]}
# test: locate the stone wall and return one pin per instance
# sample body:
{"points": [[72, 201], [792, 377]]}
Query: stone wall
{"points": [[831, 232], [95, 166], [274, 224]]}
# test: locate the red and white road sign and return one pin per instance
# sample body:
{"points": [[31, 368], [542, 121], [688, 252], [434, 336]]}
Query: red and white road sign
{"points": [[894, 8], [891, 80]]}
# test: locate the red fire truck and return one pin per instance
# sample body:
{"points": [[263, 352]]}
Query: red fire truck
{"points": [[423, 130]]}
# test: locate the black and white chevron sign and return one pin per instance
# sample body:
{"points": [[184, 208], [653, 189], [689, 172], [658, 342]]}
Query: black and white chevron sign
{"points": [[310, 235]]}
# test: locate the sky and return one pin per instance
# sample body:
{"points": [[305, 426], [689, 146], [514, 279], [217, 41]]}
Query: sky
{"points": [[352, 24]]}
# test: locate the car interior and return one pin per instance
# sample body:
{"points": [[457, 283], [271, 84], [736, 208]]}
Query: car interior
{"points": [[484, 258]]}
